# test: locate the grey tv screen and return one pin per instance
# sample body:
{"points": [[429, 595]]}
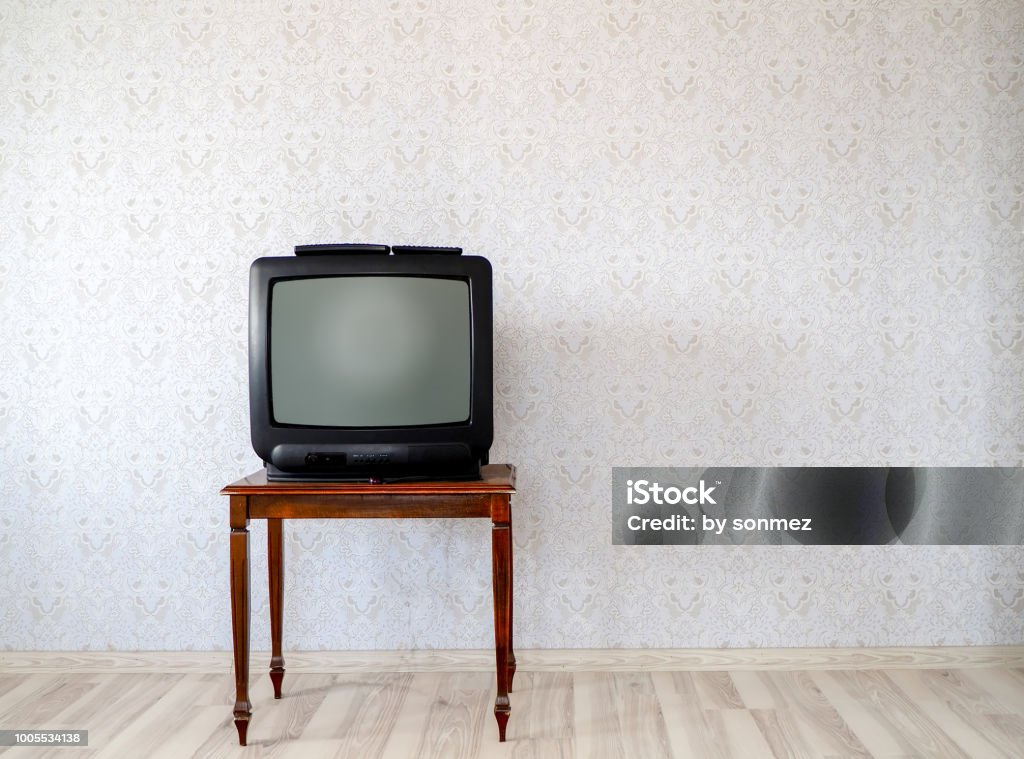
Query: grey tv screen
{"points": [[370, 351]]}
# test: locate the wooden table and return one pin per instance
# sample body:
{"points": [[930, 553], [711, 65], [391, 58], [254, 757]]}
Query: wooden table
{"points": [[255, 498]]}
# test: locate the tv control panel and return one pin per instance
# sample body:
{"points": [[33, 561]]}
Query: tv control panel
{"points": [[362, 462], [370, 458]]}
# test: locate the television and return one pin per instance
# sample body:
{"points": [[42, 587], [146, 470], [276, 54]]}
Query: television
{"points": [[373, 367]]}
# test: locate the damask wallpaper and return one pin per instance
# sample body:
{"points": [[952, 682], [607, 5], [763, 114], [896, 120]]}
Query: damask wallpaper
{"points": [[730, 233]]}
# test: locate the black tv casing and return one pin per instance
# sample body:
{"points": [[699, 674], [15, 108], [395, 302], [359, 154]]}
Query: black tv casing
{"points": [[445, 451]]}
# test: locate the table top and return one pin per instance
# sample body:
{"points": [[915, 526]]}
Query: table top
{"points": [[495, 478]]}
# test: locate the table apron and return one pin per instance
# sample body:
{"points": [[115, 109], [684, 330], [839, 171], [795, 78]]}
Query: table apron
{"points": [[378, 506]]}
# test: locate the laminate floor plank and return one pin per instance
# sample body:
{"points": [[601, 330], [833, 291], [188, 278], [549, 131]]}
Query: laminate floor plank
{"points": [[453, 729], [48, 704], [610, 708], [276, 726], [1010, 728], [976, 708], [870, 723], [715, 690], [740, 733], [23, 690], [824, 718], [640, 711], [158, 722], [937, 706], [595, 706], [689, 729], [915, 729], [375, 704], [27, 697], [800, 718], [1005, 689], [705, 715], [9, 681], [963, 694], [542, 712], [191, 730], [406, 737], [315, 749], [109, 706], [753, 690], [122, 706]]}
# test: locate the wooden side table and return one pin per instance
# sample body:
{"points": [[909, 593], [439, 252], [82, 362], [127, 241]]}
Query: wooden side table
{"points": [[253, 497]]}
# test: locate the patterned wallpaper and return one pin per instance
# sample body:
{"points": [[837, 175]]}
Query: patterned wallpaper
{"points": [[736, 233]]}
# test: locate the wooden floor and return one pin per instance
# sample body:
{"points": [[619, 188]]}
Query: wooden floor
{"points": [[944, 713]]}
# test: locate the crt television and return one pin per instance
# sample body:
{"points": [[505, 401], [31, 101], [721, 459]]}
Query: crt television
{"points": [[371, 367]]}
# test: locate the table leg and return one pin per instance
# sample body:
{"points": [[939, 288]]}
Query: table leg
{"points": [[511, 605], [275, 551], [501, 554], [239, 550]]}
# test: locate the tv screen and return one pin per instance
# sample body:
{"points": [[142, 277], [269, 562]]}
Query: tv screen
{"points": [[370, 351]]}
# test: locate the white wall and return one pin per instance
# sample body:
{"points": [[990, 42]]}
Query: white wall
{"points": [[728, 233]]}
